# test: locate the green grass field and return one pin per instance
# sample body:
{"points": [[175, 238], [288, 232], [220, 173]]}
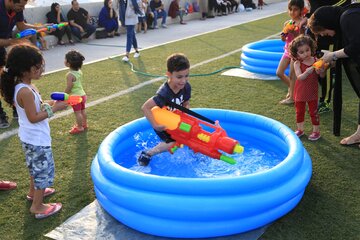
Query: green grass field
{"points": [[330, 207]]}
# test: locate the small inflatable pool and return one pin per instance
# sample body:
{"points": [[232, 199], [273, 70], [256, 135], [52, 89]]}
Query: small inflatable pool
{"points": [[187, 195], [263, 56]]}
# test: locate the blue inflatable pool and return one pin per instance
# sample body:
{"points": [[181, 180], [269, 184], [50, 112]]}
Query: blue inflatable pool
{"points": [[201, 207], [263, 56]]}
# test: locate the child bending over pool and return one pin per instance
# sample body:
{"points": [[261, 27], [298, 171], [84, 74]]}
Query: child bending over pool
{"points": [[177, 90]]}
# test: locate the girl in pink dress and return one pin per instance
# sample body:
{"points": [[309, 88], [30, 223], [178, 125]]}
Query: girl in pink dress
{"points": [[290, 31], [302, 50]]}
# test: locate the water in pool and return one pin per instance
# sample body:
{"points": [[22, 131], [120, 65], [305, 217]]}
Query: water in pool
{"points": [[185, 163]]}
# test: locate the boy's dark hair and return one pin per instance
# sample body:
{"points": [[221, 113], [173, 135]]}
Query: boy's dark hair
{"points": [[298, 3], [20, 59], [300, 41], [75, 59], [177, 62]]}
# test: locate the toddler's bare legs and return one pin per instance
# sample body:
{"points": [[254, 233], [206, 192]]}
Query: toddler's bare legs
{"points": [[79, 120]]}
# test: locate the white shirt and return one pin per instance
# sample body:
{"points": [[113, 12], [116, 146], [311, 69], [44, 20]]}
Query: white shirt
{"points": [[37, 134]]}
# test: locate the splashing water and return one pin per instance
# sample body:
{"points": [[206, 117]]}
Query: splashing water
{"points": [[185, 163]]}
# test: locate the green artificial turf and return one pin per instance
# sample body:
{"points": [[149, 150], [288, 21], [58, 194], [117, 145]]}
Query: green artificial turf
{"points": [[330, 207]]}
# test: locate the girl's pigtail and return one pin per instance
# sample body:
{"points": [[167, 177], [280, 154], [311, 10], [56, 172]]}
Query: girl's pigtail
{"points": [[7, 85]]}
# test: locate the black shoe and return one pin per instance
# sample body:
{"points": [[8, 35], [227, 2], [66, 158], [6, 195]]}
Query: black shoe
{"points": [[4, 123], [144, 159]]}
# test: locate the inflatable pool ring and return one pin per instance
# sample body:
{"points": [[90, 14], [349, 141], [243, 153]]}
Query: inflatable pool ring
{"points": [[263, 56], [202, 207]]}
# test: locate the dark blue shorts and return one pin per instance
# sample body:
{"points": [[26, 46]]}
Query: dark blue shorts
{"points": [[164, 136]]}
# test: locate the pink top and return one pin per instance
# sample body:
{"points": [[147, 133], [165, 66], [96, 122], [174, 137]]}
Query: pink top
{"points": [[307, 89]]}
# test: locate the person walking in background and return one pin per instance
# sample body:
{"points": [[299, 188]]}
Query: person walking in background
{"points": [[25, 63], [55, 17], [303, 49], [79, 21], [290, 31], [74, 78], [129, 10], [108, 19]]}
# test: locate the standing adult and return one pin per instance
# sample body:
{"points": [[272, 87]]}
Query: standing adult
{"points": [[324, 43], [340, 23], [79, 21], [129, 10], [157, 7], [108, 19], [11, 14], [55, 17]]}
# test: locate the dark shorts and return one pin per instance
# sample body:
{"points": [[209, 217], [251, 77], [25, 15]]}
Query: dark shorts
{"points": [[40, 162], [80, 106], [142, 19], [164, 136]]}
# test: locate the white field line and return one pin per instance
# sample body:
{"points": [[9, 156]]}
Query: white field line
{"points": [[12, 132]]}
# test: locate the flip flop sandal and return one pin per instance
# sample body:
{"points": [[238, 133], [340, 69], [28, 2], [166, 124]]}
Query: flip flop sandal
{"points": [[7, 185], [47, 192], [53, 209], [75, 130]]}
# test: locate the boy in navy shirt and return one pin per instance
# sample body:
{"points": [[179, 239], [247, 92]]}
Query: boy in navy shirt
{"points": [[177, 90]]}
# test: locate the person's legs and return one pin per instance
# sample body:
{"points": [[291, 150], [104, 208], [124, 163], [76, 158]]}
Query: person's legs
{"points": [[315, 119], [68, 33], [129, 38], [155, 19], [89, 29], [300, 116], [76, 32], [163, 14], [280, 72]]}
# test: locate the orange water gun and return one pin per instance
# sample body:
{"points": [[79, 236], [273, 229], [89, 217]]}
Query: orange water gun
{"points": [[186, 130], [289, 27], [69, 99], [320, 64]]}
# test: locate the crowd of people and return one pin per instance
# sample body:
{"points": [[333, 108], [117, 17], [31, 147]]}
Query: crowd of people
{"points": [[24, 64]]}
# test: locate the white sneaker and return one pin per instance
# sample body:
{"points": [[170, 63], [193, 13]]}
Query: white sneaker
{"points": [[136, 54], [164, 26], [125, 59]]}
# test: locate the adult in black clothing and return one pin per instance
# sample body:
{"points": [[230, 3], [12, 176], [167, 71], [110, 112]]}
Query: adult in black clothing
{"points": [[341, 23], [79, 21], [324, 43], [55, 16]]}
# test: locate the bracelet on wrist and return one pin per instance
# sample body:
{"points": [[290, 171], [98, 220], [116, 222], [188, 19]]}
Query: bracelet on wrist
{"points": [[48, 110]]}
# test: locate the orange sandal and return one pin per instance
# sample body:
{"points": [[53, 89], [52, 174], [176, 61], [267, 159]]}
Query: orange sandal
{"points": [[75, 130]]}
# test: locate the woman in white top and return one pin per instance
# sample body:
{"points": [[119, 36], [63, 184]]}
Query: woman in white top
{"points": [[128, 13], [24, 64]]}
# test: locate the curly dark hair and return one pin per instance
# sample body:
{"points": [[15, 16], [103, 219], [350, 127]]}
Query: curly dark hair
{"points": [[20, 59], [300, 41], [75, 59], [177, 62]]}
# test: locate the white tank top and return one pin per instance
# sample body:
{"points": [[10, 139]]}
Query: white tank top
{"points": [[37, 134]]}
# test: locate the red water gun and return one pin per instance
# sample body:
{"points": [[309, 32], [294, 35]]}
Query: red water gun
{"points": [[186, 130], [69, 99]]}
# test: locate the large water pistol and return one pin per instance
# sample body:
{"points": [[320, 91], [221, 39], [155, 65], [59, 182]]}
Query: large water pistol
{"points": [[32, 31], [187, 130], [69, 99], [290, 27]]}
